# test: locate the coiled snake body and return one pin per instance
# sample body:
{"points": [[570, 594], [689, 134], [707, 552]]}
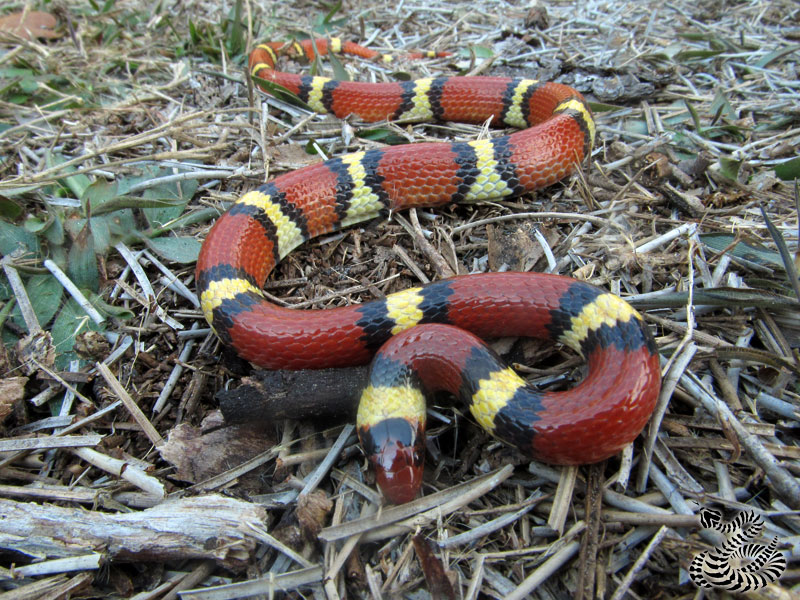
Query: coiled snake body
{"points": [[425, 337]]}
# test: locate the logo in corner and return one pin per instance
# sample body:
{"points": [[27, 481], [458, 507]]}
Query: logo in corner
{"points": [[738, 565]]}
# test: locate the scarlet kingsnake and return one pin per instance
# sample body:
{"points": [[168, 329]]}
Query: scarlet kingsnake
{"points": [[713, 568], [585, 424]]}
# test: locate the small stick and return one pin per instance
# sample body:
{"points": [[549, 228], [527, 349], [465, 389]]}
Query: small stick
{"points": [[671, 378], [640, 562], [688, 228], [24, 303], [73, 290], [177, 371], [46, 443], [61, 565], [548, 567], [485, 529], [130, 404], [266, 586], [562, 503], [313, 480], [120, 468], [440, 503]]}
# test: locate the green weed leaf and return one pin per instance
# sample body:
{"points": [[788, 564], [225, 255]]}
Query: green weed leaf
{"points": [[97, 194], [9, 209], [82, 262], [13, 237], [45, 295], [729, 168], [788, 170], [174, 197], [281, 93], [183, 250], [71, 321]]}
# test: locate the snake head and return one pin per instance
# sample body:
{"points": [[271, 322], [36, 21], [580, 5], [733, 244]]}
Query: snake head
{"points": [[396, 449]]}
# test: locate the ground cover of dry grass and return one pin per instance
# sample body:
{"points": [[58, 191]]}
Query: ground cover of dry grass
{"points": [[118, 474]]}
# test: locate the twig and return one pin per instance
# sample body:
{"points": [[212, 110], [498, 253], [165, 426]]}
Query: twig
{"points": [[44, 443], [73, 290], [133, 408], [120, 468], [550, 566], [24, 303], [639, 564]]}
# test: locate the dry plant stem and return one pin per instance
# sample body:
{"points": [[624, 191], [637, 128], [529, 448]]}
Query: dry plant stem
{"points": [[24, 303], [173, 530], [690, 321], [639, 564], [58, 586], [688, 228], [477, 578], [44, 396], [442, 503], [786, 486], [725, 385], [588, 557], [698, 336], [322, 469], [55, 376], [550, 566], [129, 142], [60, 565], [400, 565], [198, 575], [157, 593], [670, 520], [472, 535], [670, 382], [374, 584], [609, 496], [133, 408], [443, 270], [67, 430], [272, 542], [347, 551], [120, 468], [599, 221], [175, 374], [562, 502], [73, 290], [52, 493], [403, 255], [226, 477], [45, 443], [266, 586]]}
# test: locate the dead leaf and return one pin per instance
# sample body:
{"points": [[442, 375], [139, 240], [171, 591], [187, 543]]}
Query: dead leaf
{"points": [[439, 584], [517, 249], [198, 456], [312, 512], [30, 24], [35, 351], [12, 390]]}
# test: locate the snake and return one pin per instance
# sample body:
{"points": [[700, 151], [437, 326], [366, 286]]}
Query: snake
{"points": [[429, 338]]}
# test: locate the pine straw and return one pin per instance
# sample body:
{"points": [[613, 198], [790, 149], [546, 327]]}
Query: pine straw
{"points": [[726, 432]]}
